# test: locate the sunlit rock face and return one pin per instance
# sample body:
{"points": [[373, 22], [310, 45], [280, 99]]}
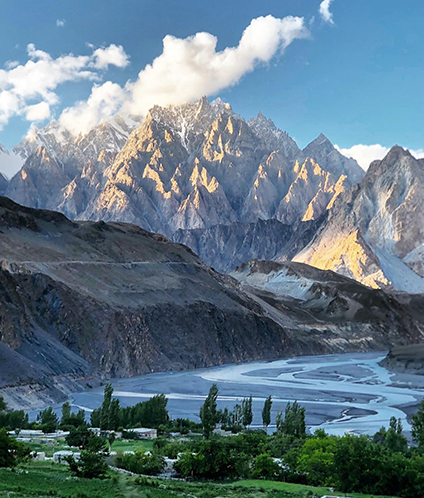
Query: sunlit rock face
{"points": [[375, 233], [192, 166], [196, 166]]}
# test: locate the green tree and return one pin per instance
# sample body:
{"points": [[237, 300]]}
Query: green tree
{"points": [[141, 462], [150, 413], [66, 413], [247, 414], [79, 437], [69, 419], [317, 459], [392, 439], [293, 421], [111, 439], [209, 413], [95, 418], [90, 465], [14, 419], [3, 404], [359, 465], [113, 423], [48, 420], [264, 467], [237, 415], [418, 426], [105, 408], [85, 439], [213, 460], [11, 451], [225, 417], [266, 412]]}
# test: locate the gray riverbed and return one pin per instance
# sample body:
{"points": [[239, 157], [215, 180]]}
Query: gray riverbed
{"points": [[341, 393]]}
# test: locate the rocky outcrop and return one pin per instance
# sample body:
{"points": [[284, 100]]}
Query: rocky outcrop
{"points": [[375, 231], [83, 298], [405, 359], [348, 315], [226, 246]]}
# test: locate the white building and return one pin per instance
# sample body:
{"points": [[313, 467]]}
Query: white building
{"points": [[145, 433], [59, 456]]}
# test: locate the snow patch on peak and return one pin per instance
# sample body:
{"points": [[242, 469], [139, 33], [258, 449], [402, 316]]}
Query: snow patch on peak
{"points": [[187, 121]]}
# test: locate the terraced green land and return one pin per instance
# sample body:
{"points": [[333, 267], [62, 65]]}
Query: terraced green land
{"points": [[46, 479]]}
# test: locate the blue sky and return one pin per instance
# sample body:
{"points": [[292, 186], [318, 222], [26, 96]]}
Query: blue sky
{"points": [[359, 80]]}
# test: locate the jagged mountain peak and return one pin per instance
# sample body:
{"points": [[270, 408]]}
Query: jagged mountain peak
{"points": [[190, 120], [331, 160], [397, 152], [222, 106], [273, 137], [397, 158], [321, 142]]}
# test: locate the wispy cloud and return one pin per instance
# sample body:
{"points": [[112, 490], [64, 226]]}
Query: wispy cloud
{"points": [[324, 10], [366, 154], [60, 23]]}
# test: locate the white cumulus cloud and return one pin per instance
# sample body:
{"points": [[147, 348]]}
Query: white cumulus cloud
{"points": [[104, 101], [189, 68], [324, 10], [366, 154], [37, 112], [60, 23], [186, 70], [112, 55], [29, 90]]}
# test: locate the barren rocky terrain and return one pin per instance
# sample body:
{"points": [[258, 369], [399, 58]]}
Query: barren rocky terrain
{"points": [[83, 300]]}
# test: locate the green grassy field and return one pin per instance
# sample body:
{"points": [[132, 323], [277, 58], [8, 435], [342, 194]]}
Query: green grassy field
{"points": [[132, 445], [46, 479], [118, 445], [48, 449], [290, 487]]}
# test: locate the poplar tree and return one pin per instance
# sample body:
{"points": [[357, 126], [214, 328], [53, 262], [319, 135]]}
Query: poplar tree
{"points": [[266, 412], [209, 412]]}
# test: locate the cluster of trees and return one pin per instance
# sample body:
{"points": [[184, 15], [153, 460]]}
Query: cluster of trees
{"points": [[141, 462], [239, 418], [12, 452], [47, 420], [381, 464], [91, 463], [12, 419], [292, 421], [111, 416]]}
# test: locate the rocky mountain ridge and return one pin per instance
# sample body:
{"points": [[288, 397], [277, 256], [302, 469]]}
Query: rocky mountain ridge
{"points": [[375, 233], [190, 166], [344, 310]]}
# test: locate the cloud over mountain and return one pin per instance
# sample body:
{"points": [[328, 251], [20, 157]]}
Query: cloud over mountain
{"points": [[187, 69], [191, 67], [366, 154], [29, 90]]}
